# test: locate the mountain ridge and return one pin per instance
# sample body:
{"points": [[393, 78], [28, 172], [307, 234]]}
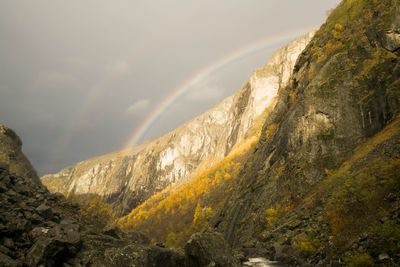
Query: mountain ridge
{"points": [[126, 178]]}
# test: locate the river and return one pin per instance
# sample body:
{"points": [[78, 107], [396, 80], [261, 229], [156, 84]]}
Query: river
{"points": [[260, 262]]}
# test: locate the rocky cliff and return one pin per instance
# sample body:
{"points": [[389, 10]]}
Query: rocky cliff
{"points": [[38, 228], [328, 155], [11, 156], [127, 177]]}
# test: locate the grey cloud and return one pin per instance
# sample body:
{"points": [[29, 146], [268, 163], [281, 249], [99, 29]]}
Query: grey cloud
{"points": [[70, 69]]}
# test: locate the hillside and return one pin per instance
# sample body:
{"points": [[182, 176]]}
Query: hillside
{"points": [[127, 177], [174, 214], [324, 186], [321, 185]]}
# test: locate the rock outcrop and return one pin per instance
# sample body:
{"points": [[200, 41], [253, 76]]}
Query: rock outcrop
{"points": [[11, 156], [209, 249], [128, 177]]}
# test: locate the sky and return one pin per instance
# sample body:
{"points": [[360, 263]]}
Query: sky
{"points": [[78, 78]]}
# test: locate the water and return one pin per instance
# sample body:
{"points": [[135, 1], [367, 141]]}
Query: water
{"points": [[260, 262]]}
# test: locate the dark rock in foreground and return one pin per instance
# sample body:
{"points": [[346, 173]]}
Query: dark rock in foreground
{"points": [[209, 249], [38, 228]]}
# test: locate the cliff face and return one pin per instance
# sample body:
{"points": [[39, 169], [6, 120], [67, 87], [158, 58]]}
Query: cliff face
{"points": [[11, 156], [127, 177], [344, 91]]}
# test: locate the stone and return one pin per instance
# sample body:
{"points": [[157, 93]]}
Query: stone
{"points": [[209, 249], [5, 250], [68, 221], [383, 257], [36, 218], [8, 242], [45, 211], [138, 237], [113, 231], [158, 256], [390, 40], [52, 252], [6, 261]]}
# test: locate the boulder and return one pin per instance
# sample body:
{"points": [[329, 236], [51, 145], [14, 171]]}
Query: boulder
{"points": [[209, 249], [158, 256], [6, 261], [45, 211]]}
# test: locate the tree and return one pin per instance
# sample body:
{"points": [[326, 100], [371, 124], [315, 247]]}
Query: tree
{"points": [[171, 240], [201, 217]]}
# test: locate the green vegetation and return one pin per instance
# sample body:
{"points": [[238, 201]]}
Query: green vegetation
{"points": [[273, 214], [201, 217], [385, 237], [358, 190], [365, 186], [97, 213], [94, 211]]}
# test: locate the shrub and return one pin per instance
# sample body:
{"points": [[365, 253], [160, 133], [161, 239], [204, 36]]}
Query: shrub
{"points": [[386, 237], [293, 97], [202, 217], [359, 260], [171, 240], [271, 129], [339, 27], [307, 245], [271, 215], [97, 213]]}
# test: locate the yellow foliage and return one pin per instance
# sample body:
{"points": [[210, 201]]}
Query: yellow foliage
{"points": [[227, 176], [271, 216], [364, 149], [331, 46], [201, 217], [171, 240], [339, 27], [292, 97], [307, 245], [177, 208], [311, 73], [271, 129], [359, 260]]}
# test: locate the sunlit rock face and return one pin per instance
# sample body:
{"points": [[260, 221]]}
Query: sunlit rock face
{"points": [[128, 177]]}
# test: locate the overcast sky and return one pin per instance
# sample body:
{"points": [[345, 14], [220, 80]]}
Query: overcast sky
{"points": [[78, 77]]}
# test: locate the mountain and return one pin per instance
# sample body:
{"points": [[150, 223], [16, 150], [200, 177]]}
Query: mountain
{"points": [[312, 180], [128, 177], [321, 185], [11, 156]]}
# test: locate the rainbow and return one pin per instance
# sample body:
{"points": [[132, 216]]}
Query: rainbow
{"points": [[207, 71]]}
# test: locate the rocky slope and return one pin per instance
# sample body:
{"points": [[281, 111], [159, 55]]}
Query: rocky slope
{"points": [[328, 155], [38, 228], [127, 177], [11, 156]]}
